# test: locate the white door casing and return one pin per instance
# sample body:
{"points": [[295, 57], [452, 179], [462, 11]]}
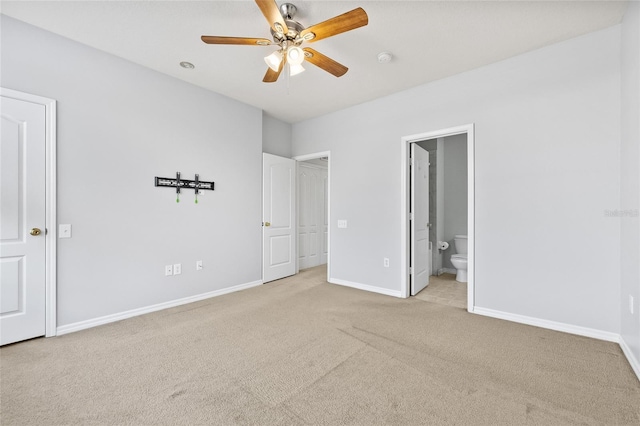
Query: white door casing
{"points": [[420, 259], [312, 215], [278, 217], [23, 217], [405, 147]]}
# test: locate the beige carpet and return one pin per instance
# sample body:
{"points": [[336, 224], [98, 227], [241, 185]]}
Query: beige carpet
{"points": [[302, 351]]}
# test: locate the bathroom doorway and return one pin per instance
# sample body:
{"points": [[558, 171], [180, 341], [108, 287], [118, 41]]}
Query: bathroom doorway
{"points": [[451, 212]]}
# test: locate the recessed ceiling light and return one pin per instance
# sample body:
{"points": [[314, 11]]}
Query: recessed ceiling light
{"points": [[187, 65], [384, 57]]}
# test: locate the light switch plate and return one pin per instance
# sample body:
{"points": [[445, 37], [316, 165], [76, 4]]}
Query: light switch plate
{"points": [[64, 231], [342, 223]]}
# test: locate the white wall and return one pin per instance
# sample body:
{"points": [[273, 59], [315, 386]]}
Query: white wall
{"points": [[455, 192], [119, 125], [547, 166], [276, 136], [630, 181]]}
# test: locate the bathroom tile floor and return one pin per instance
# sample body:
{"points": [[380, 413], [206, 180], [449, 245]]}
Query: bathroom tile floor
{"points": [[445, 290]]}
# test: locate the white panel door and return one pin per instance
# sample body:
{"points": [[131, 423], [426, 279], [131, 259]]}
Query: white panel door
{"points": [[22, 220], [324, 249], [312, 216], [420, 218], [278, 217]]}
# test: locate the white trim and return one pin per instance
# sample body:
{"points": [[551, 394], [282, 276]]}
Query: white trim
{"points": [[404, 206], [365, 287], [314, 156], [551, 325], [633, 361], [447, 271], [82, 325], [50, 203]]}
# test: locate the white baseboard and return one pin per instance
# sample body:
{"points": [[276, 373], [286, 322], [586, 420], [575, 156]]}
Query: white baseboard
{"points": [[552, 325], [365, 287], [82, 325], [447, 271], [633, 361]]}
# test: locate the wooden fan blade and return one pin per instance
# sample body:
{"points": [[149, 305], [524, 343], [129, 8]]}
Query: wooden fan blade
{"points": [[324, 62], [271, 76], [236, 40], [270, 11], [346, 22]]}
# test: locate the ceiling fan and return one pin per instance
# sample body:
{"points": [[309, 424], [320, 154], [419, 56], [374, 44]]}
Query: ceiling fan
{"points": [[289, 35]]}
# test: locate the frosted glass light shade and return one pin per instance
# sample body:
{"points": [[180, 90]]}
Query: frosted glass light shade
{"points": [[274, 60], [295, 55], [295, 69]]}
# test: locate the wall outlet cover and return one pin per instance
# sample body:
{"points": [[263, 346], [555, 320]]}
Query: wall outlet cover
{"points": [[177, 269], [168, 270]]}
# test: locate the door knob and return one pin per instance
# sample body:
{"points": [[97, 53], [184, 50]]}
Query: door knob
{"points": [[35, 231], [267, 224]]}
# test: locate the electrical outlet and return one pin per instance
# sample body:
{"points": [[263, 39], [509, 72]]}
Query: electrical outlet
{"points": [[631, 305], [386, 262], [342, 223], [168, 270], [198, 265], [177, 269]]}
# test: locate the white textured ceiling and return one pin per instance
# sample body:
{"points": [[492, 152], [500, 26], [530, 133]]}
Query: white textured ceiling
{"points": [[429, 40]]}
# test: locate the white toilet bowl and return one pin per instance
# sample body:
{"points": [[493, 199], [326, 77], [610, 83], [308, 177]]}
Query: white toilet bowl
{"points": [[459, 262]]}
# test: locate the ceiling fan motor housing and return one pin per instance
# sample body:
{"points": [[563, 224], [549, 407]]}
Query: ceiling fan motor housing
{"points": [[294, 29]]}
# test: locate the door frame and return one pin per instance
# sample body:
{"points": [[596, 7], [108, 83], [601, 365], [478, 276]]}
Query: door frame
{"points": [[315, 156], [50, 203], [405, 227]]}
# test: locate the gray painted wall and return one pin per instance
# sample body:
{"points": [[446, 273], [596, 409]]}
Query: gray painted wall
{"points": [[276, 136], [547, 165], [119, 125], [630, 180], [455, 193]]}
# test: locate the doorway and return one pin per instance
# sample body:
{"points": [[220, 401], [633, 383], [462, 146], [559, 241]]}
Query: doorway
{"points": [[408, 204], [313, 206]]}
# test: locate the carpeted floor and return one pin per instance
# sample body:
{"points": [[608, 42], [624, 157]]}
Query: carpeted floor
{"points": [[301, 351]]}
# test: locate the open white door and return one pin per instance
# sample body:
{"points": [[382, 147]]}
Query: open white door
{"points": [[278, 217], [419, 219], [22, 220]]}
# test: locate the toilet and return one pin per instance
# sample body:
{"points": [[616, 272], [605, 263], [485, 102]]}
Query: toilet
{"points": [[459, 260]]}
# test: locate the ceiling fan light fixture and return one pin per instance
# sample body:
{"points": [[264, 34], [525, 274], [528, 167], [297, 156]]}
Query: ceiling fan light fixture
{"points": [[295, 55], [274, 60], [295, 69]]}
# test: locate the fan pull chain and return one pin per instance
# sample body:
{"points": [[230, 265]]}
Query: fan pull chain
{"points": [[288, 76]]}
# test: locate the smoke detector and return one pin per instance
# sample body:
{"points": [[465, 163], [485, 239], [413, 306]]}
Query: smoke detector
{"points": [[384, 57]]}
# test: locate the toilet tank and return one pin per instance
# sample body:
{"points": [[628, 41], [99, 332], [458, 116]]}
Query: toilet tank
{"points": [[461, 244]]}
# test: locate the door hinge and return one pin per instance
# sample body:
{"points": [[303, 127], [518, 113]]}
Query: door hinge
{"points": [[410, 270], [410, 216]]}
